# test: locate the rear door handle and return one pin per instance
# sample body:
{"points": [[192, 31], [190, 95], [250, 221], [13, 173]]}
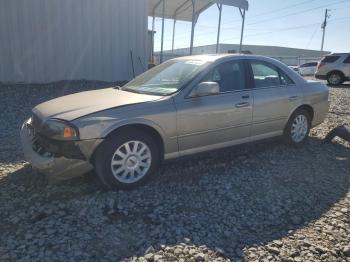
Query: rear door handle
{"points": [[292, 98], [245, 96], [243, 104]]}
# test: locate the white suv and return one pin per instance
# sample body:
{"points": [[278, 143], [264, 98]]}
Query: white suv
{"points": [[335, 68]]}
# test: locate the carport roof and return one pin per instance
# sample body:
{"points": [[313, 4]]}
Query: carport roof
{"points": [[182, 9]]}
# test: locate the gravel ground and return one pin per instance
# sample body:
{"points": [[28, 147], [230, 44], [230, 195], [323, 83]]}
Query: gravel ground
{"points": [[266, 202]]}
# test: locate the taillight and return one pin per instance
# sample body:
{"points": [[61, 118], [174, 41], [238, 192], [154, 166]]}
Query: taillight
{"points": [[320, 65]]}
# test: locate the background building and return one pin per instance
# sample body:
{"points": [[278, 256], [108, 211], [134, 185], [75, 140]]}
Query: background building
{"points": [[290, 56], [51, 40], [45, 41]]}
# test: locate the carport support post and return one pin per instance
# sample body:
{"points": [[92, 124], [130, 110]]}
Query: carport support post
{"points": [[194, 19], [219, 28], [162, 41], [172, 44], [153, 23], [242, 29]]}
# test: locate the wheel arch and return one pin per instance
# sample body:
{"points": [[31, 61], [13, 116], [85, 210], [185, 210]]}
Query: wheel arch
{"points": [[151, 129], [308, 108], [336, 71]]}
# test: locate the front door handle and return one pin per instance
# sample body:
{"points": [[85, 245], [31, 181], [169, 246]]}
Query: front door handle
{"points": [[292, 98], [243, 104]]}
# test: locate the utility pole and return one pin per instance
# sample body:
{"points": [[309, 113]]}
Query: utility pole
{"points": [[323, 26]]}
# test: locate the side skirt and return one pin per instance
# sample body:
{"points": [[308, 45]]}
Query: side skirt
{"points": [[197, 150]]}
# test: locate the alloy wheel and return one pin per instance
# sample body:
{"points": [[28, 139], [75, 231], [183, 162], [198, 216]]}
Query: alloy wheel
{"points": [[334, 79], [299, 128], [131, 161]]}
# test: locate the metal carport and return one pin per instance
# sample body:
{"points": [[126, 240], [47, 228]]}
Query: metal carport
{"points": [[189, 10]]}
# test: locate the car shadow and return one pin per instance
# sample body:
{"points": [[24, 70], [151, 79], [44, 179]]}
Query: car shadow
{"points": [[344, 85], [228, 199]]}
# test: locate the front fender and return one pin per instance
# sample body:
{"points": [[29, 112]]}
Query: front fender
{"points": [[135, 121], [161, 118]]}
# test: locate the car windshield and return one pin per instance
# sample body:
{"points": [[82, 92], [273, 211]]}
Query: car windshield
{"points": [[166, 78]]}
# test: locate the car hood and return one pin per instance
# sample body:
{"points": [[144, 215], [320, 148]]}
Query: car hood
{"points": [[77, 105]]}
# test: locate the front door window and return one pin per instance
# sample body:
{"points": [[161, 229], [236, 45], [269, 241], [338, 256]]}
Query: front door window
{"points": [[229, 76]]}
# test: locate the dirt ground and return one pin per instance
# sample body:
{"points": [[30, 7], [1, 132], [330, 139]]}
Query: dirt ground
{"points": [[267, 202]]}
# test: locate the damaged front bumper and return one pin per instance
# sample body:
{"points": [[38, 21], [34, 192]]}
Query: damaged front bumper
{"points": [[57, 165]]}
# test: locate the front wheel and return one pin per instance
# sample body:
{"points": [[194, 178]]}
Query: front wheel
{"points": [[127, 160], [298, 128]]}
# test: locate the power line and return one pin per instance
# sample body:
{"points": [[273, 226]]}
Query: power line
{"points": [[269, 19], [312, 37], [257, 15], [284, 8], [280, 30], [294, 27], [274, 11], [298, 27], [300, 12], [287, 7], [283, 30], [269, 32]]}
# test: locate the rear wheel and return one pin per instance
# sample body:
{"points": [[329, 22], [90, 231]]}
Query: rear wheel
{"points": [[127, 160], [335, 78], [298, 128]]}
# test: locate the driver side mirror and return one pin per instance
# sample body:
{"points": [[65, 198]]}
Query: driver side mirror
{"points": [[205, 89]]}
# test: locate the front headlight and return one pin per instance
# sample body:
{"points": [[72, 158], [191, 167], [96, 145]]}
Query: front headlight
{"points": [[60, 130]]}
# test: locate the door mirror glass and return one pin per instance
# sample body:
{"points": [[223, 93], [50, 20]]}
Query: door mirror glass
{"points": [[205, 89]]}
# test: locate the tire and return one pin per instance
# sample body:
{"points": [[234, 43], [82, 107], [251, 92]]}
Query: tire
{"points": [[335, 78], [118, 167], [292, 128]]}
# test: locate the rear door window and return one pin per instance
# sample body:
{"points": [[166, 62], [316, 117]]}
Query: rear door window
{"points": [[268, 75], [265, 75], [330, 59], [347, 60]]}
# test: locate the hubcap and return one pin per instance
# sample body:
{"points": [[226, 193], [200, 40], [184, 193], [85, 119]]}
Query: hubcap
{"points": [[299, 128], [334, 79], [131, 161]]}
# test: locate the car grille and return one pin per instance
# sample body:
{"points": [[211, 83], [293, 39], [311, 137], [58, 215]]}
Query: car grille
{"points": [[50, 148], [37, 145]]}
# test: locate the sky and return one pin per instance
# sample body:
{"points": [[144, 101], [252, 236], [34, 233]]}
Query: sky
{"points": [[289, 23]]}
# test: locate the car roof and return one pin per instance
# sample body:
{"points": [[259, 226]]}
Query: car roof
{"points": [[216, 57], [207, 57], [339, 54]]}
